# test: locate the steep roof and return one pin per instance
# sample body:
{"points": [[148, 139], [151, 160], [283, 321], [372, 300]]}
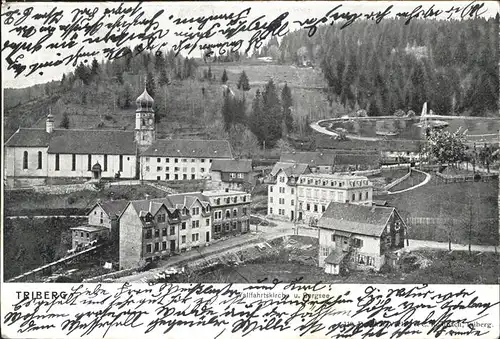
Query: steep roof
{"points": [[113, 207], [366, 220], [318, 158], [29, 137], [187, 148], [327, 142], [92, 142], [357, 159], [150, 206], [230, 165], [335, 257], [290, 168]]}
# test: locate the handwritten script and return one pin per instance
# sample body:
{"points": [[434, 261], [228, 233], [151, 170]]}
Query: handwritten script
{"points": [[49, 36], [241, 310]]}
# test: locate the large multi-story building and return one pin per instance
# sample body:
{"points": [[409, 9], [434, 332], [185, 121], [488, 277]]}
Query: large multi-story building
{"points": [[282, 190], [316, 190], [230, 212], [156, 228], [34, 156], [297, 194], [181, 159]]}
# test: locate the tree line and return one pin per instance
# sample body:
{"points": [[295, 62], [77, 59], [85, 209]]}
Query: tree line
{"points": [[452, 65]]}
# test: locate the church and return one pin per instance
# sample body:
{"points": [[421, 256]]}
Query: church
{"points": [[37, 156]]}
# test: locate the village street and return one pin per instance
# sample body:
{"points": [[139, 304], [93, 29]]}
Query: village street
{"points": [[261, 234]]}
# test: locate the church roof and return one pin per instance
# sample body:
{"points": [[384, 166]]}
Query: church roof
{"points": [[186, 148], [232, 165], [358, 219], [144, 102], [75, 141], [29, 137], [92, 142]]}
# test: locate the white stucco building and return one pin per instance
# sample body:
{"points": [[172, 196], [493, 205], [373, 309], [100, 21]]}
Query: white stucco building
{"points": [[35, 156]]}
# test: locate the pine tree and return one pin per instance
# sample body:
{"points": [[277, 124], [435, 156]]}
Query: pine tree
{"points": [[243, 83], [287, 102], [164, 80], [209, 73], [258, 128], [94, 71], [159, 61], [224, 77], [273, 114], [150, 84], [64, 121]]}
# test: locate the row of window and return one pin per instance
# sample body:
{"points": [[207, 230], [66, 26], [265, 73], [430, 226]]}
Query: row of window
{"points": [[281, 201], [149, 232], [218, 214], [333, 195], [89, 162], [234, 175], [229, 200], [282, 190], [354, 241], [333, 183], [176, 160], [163, 245], [176, 169], [228, 226], [25, 160]]}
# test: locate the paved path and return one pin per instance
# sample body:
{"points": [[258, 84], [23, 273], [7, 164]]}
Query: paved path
{"points": [[206, 253], [426, 180]]}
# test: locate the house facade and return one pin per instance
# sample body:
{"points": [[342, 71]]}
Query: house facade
{"points": [[82, 236], [157, 228], [282, 190], [230, 212], [315, 191], [152, 229], [234, 174], [359, 237]]}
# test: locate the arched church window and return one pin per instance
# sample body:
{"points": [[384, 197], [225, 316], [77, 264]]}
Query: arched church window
{"points": [[25, 160], [39, 160]]}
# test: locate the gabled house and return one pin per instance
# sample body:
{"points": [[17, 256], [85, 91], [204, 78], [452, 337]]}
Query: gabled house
{"points": [[156, 228], [359, 237], [231, 173], [105, 214], [282, 189]]}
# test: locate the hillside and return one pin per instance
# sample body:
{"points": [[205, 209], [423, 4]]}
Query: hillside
{"points": [[184, 110]]}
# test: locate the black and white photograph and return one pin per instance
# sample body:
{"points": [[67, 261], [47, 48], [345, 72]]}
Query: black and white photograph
{"points": [[240, 169]]}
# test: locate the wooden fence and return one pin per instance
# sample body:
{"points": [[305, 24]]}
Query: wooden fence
{"points": [[438, 221]]}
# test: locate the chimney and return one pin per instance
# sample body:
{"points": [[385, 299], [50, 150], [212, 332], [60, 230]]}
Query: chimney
{"points": [[226, 190], [49, 124], [201, 191]]}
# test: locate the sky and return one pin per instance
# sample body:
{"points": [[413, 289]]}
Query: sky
{"points": [[271, 10]]}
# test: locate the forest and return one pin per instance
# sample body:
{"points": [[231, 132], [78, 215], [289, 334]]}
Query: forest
{"points": [[452, 65], [382, 68]]}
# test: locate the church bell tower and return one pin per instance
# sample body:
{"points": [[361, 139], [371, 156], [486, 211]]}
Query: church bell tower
{"points": [[145, 132]]}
